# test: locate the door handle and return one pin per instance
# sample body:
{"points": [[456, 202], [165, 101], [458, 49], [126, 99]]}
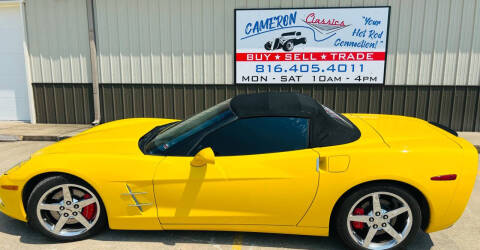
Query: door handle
{"points": [[318, 164]]}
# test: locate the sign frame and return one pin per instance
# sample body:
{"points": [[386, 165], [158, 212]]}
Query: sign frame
{"points": [[303, 8]]}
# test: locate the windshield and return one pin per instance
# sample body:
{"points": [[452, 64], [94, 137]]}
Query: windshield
{"points": [[180, 131]]}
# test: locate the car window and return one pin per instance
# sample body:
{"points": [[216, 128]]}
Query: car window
{"points": [[183, 130], [341, 120], [257, 136]]}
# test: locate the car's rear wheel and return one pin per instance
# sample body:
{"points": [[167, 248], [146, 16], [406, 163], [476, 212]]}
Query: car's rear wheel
{"points": [[288, 46], [65, 209], [378, 217]]}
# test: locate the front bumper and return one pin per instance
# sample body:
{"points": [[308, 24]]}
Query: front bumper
{"points": [[11, 200]]}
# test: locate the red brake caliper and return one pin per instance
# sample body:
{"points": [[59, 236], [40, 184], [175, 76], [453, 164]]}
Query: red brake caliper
{"points": [[357, 224], [89, 211]]}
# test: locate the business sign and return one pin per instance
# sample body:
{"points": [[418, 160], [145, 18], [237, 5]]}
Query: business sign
{"points": [[314, 46]]}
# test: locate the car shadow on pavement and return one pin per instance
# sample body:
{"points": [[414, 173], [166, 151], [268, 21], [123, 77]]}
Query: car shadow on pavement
{"points": [[249, 240], [186, 239]]}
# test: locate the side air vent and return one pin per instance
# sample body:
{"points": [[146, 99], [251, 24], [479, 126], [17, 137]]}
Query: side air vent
{"points": [[449, 130]]}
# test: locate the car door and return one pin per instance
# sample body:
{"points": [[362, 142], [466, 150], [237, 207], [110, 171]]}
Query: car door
{"points": [[264, 174]]}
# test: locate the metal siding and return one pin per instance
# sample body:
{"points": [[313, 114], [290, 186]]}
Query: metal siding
{"points": [[403, 41], [455, 106], [58, 41], [427, 42], [191, 42], [414, 43], [474, 70], [440, 39], [63, 103], [167, 58]]}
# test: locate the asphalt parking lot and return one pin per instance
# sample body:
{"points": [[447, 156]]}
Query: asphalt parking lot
{"points": [[465, 234]]}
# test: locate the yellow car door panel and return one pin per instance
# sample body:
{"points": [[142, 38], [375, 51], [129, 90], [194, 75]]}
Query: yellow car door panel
{"points": [[263, 189]]}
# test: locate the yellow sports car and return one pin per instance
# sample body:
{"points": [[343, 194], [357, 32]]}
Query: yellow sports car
{"points": [[269, 162]]}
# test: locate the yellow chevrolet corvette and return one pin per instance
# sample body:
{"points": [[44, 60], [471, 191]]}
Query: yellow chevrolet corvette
{"points": [[268, 162]]}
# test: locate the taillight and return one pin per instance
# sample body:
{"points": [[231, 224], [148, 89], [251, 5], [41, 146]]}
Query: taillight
{"points": [[448, 177]]}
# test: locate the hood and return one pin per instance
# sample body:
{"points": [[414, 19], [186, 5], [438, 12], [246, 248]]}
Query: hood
{"points": [[408, 132], [118, 137]]}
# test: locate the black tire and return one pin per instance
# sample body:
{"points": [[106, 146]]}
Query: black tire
{"points": [[268, 45], [47, 184], [340, 223], [288, 46]]}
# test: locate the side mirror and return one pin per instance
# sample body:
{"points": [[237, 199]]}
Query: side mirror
{"points": [[203, 157]]}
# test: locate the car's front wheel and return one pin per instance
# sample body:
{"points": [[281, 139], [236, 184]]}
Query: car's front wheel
{"points": [[65, 209], [378, 217]]}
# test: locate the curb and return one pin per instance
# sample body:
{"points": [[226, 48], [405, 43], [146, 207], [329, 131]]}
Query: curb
{"points": [[12, 138], [42, 138]]}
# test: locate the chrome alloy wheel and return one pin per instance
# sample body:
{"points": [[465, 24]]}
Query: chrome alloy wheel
{"points": [[68, 210], [379, 220]]}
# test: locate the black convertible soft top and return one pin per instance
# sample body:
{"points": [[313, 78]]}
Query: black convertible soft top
{"points": [[276, 104], [325, 129]]}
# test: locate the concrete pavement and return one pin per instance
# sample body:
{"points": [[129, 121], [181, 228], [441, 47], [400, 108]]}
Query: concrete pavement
{"points": [[21, 131], [472, 137], [465, 234]]}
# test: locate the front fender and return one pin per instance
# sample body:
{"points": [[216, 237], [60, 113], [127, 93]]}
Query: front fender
{"points": [[108, 175]]}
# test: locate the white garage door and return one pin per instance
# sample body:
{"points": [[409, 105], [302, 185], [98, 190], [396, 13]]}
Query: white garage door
{"points": [[13, 82]]}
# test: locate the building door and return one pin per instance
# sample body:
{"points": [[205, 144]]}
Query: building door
{"points": [[14, 101]]}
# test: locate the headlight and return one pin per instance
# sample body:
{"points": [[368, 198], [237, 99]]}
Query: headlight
{"points": [[19, 164]]}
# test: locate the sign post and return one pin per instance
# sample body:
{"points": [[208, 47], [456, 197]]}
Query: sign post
{"points": [[311, 46]]}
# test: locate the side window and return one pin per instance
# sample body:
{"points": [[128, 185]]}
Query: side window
{"points": [[257, 136]]}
